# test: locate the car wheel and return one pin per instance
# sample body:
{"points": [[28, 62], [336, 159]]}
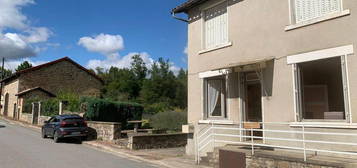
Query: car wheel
{"points": [[55, 137], [43, 134]]}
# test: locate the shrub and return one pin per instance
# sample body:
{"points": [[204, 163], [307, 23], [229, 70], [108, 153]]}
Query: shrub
{"points": [[50, 107], [72, 101], [170, 120], [111, 111]]}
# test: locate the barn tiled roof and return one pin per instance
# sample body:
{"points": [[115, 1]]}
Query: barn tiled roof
{"points": [[17, 74], [33, 89]]}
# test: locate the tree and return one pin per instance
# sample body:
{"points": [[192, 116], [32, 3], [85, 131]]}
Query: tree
{"points": [[5, 72], [160, 87], [24, 65], [139, 68], [181, 90]]}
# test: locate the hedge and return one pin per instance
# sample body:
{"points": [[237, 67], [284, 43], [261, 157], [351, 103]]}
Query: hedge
{"points": [[170, 120], [111, 111]]}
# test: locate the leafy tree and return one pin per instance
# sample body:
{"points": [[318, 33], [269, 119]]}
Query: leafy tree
{"points": [[5, 73], [121, 84], [160, 86], [139, 68], [181, 90], [24, 65]]}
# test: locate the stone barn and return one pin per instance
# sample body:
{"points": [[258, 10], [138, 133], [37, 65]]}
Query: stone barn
{"points": [[45, 81]]}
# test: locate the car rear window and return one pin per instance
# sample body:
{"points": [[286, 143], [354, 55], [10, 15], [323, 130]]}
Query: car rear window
{"points": [[74, 122]]}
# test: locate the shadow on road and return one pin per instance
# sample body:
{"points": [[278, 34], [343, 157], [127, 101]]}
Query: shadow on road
{"points": [[71, 141], [2, 126]]}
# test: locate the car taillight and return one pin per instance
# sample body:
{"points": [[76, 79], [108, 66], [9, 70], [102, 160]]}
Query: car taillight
{"points": [[63, 123]]}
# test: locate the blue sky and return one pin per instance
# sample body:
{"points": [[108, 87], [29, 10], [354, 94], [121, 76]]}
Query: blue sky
{"points": [[111, 31]]}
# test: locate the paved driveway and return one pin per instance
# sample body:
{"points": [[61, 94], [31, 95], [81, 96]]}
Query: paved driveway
{"points": [[24, 148]]}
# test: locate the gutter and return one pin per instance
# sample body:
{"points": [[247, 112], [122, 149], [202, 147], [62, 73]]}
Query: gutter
{"points": [[178, 18]]}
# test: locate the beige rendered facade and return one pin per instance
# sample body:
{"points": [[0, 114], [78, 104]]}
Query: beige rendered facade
{"points": [[267, 50]]}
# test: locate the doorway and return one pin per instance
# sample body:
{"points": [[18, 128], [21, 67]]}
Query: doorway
{"points": [[6, 104], [252, 102]]}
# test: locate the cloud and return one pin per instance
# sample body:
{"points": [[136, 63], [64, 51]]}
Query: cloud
{"points": [[106, 44], [23, 43], [37, 35], [12, 47], [109, 46], [11, 16], [120, 62]]}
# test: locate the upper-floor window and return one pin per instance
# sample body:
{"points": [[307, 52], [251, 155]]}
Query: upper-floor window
{"points": [[215, 26], [310, 9]]}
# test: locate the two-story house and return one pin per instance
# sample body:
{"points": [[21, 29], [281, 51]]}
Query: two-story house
{"points": [[265, 65]]}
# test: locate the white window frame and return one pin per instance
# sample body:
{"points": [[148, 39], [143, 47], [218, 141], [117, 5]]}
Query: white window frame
{"points": [[204, 8], [341, 52], [294, 24], [224, 99]]}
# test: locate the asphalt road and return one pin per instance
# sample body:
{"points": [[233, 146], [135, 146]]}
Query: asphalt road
{"points": [[24, 148]]}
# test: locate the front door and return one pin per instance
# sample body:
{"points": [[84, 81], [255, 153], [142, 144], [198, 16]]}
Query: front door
{"points": [[252, 96]]}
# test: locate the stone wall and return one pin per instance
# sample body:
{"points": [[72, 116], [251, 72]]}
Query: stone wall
{"points": [[26, 117], [106, 131], [265, 162], [42, 119], [10, 89], [157, 141], [62, 76]]}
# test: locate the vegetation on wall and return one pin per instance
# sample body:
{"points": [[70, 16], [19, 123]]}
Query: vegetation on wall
{"points": [[111, 111], [170, 120]]}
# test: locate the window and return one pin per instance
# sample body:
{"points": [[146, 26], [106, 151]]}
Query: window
{"points": [[215, 26], [215, 97], [322, 89], [310, 9]]}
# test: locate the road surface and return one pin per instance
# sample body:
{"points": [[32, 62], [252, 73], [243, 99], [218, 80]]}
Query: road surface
{"points": [[24, 148]]}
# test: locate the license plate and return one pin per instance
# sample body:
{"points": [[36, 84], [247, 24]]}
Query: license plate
{"points": [[76, 133]]}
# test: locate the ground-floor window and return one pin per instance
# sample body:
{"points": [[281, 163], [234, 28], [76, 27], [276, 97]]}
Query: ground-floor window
{"points": [[215, 97], [321, 88]]}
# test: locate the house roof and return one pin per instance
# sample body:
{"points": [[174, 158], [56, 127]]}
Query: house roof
{"points": [[187, 5], [17, 74], [33, 89]]}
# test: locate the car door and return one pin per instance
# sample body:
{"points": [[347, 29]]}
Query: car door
{"points": [[52, 126], [47, 125]]}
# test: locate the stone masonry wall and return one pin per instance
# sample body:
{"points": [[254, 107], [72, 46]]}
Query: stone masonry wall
{"points": [[26, 117], [157, 141], [42, 119], [106, 131], [62, 76], [10, 88]]}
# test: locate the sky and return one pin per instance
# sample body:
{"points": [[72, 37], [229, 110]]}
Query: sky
{"points": [[93, 33]]}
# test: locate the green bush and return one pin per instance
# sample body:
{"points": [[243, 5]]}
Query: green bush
{"points": [[170, 120], [72, 101], [50, 107], [28, 105], [111, 111]]}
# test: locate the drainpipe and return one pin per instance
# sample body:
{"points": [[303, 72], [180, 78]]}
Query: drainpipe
{"points": [[178, 18]]}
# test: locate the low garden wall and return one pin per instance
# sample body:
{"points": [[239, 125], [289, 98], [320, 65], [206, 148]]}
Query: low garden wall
{"points": [[42, 119], [106, 131], [157, 141], [26, 117]]}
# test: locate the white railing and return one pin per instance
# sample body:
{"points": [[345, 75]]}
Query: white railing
{"points": [[211, 135]]}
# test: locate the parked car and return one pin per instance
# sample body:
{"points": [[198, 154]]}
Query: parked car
{"points": [[65, 126]]}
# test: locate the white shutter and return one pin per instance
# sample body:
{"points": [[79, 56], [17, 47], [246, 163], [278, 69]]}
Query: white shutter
{"points": [[310, 9], [216, 27]]}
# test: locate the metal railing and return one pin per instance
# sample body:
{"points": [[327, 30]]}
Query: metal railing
{"points": [[211, 136]]}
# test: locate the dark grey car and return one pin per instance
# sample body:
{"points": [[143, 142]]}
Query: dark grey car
{"points": [[64, 126]]}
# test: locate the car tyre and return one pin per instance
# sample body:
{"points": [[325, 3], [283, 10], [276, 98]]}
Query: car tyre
{"points": [[43, 134], [55, 137]]}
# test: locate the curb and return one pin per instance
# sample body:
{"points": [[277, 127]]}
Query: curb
{"points": [[121, 154]]}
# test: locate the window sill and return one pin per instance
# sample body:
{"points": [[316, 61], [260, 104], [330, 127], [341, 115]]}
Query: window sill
{"points": [[318, 20], [332, 124], [216, 48], [222, 122]]}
